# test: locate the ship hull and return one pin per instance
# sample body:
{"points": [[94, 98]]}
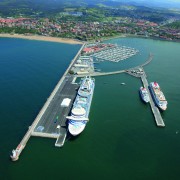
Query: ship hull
{"points": [[75, 127], [155, 99], [14, 158], [145, 100]]}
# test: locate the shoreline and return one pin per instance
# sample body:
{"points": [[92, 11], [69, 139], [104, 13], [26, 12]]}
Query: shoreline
{"points": [[41, 38], [75, 41]]}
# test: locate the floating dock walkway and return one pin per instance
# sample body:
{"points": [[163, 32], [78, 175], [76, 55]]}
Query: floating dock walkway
{"points": [[155, 110], [51, 120]]}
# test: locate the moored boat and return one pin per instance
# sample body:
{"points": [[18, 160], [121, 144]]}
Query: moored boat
{"points": [[81, 107], [144, 94], [158, 96], [87, 87]]}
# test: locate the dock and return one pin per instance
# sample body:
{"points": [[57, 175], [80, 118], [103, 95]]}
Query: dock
{"points": [[155, 110], [62, 137], [51, 120], [139, 72]]}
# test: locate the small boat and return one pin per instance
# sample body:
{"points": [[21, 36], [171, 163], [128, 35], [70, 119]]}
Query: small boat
{"points": [[144, 94], [123, 83]]}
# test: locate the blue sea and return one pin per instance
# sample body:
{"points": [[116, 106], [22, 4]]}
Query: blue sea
{"points": [[121, 140]]}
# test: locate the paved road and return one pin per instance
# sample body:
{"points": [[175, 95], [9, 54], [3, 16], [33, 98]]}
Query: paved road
{"points": [[55, 114]]}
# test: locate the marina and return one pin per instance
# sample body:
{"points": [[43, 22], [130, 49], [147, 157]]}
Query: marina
{"points": [[115, 54]]}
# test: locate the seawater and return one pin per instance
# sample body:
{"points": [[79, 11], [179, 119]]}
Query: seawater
{"points": [[121, 140], [29, 71]]}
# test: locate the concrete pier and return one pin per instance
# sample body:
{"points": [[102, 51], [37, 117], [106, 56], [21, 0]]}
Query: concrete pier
{"points": [[48, 119], [155, 110], [62, 137]]}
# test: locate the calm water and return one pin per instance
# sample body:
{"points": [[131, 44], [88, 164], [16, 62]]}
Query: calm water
{"points": [[121, 141]]}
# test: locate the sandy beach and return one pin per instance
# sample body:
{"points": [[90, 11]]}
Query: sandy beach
{"points": [[42, 38]]}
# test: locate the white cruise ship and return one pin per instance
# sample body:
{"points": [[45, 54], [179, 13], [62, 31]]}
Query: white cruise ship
{"points": [[81, 107], [144, 94], [158, 95]]}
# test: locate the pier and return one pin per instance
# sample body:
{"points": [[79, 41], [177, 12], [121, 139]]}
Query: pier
{"points": [[51, 120], [139, 72], [155, 110]]}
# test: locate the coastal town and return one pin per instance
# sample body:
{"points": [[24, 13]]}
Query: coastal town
{"points": [[88, 30]]}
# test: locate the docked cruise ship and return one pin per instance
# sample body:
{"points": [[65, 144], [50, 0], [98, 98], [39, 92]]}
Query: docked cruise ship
{"points": [[144, 94], [81, 107], [158, 95]]}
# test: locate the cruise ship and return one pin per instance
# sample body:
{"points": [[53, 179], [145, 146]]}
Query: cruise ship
{"points": [[144, 94], [87, 87], [158, 95], [81, 107]]}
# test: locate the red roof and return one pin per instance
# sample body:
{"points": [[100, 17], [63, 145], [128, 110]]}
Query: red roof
{"points": [[87, 49]]}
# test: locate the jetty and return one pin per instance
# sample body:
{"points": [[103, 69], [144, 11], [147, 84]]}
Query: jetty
{"points": [[51, 120], [155, 110], [140, 73]]}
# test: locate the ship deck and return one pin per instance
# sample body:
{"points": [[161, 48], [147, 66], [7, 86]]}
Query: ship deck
{"points": [[55, 114]]}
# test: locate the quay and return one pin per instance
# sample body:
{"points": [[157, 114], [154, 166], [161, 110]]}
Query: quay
{"points": [[51, 120], [155, 110], [109, 52]]}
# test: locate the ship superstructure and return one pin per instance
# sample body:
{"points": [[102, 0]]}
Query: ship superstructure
{"points": [[158, 95], [144, 94], [81, 107]]}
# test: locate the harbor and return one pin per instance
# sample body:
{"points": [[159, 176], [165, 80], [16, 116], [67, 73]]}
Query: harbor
{"points": [[140, 73], [51, 122], [121, 119]]}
